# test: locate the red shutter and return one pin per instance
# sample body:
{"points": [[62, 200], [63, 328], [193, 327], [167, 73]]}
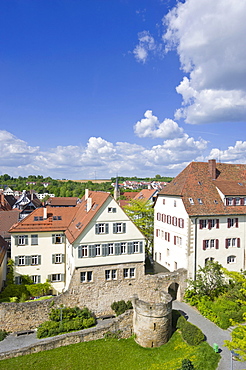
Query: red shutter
{"points": [[173, 221], [236, 220], [241, 201], [209, 224], [227, 202], [156, 232], [233, 201], [228, 222], [200, 224], [163, 217], [216, 243], [175, 239], [204, 245], [217, 223], [168, 237], [238, 242], [226, 243]]}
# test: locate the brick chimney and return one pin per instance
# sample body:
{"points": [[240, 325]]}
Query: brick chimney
{"points": [[212, 168]]}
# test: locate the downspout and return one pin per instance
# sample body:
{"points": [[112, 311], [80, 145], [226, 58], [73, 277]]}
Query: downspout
{"points": [[195, 251]]}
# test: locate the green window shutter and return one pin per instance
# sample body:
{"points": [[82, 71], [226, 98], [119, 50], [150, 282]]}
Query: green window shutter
{"points": [[53, 258], [63, 258], [53, 238], [97, 229], [114, 229], [141, 247], [130, 247], [16, 240], [114, 210], [63, 238], [39, 259], [16, 260], [105, 250], [106, 228], [117, 248], [27, 260], [39, 279], [80, 251], [91, 251], [50, 277], [26, 239], [124, 227], [62, 277]]}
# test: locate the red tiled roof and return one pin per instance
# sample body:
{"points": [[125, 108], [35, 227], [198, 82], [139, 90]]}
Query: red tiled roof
{"points": [[196, 182], [3, 249], [8, 219], [145, 194], [62, 201]]}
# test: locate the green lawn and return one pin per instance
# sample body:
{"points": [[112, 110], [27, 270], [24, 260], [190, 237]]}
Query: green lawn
{"points": [[123, 354]]}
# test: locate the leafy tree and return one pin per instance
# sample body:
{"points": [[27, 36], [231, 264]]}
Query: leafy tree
{"points": [[141, 213]]}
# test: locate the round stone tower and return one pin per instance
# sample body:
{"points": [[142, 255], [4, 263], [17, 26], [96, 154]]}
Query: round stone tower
{"points": [[152, 322]]}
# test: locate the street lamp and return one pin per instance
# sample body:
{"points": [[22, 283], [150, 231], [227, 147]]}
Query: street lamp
{"points": [[233, 354]]}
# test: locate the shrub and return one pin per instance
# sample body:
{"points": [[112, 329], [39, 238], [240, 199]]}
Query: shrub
{"points": [[121, 306], [181, 322], [187, 365], [192, 334], [3, 334], [48, 329]]}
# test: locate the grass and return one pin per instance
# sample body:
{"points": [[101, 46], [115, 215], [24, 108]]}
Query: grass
{"points": [[117, 354]]}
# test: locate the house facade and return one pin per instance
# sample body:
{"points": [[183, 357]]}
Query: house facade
{"points": [[52, 242], [201, 216]]}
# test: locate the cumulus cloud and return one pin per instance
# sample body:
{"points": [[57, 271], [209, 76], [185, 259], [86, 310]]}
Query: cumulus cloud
{"points": [[209, 38], [146, 43], [150, 126], [235, 154]]}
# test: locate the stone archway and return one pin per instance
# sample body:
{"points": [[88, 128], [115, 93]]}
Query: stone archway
{"points": [[174, 291]]}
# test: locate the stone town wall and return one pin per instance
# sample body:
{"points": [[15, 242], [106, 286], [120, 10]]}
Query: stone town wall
{"points": [[97, 295], [122, 323]]}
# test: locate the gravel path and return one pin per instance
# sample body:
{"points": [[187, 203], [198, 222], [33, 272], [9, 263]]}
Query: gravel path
{"points": [[213, 335]]}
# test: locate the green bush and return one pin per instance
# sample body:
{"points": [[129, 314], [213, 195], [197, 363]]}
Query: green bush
{"points": [[3, 334], [187, 365], [121, 306], [181, 322], [48, 329], [192, 334]]}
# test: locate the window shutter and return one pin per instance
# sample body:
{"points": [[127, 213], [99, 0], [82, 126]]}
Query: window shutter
{"points": [[63, 258], [228, 222], [80, 251], [26, 239], [238, 242], [53, 239], [114, 210], [16, 240], [114, 228], [156, 232], [141, 247], [117, 248], [173, 221], [62, 277], [63, 238], [217, 223], [27, 260], [200, 224], [105, 250], [163, 217], [92, 251], [175, 239], [209, 224], [124, 227], [216, 243], [106, 228], [168, 237], [204, 245], [236, 220], [130, 247], [97, 229], [53, 258], [50, 277], [39, 259], [227, 202], [233, 201], [226, 243], [39, 279], [241, 201], [16, 261]]}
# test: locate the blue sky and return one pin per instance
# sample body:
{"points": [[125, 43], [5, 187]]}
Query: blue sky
{"points": [[94, 88]]}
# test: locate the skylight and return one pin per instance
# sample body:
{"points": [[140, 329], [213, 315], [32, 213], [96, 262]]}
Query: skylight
{"points": [[191, 201], [199, 201]]}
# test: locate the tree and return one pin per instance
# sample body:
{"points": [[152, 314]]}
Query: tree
{"points": [[210, 281], [141, 212]]}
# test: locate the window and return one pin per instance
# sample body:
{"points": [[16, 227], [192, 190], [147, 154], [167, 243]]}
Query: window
{"points": [[158, 216], [38, 218], [111, 210], [110, 274], [211, 243], [209, 223], [34, 239], [119, 227], [231, 259], [126, 273], [159, 256], [36, 279], [57, 238], [199, 200], [101, 228], [110, 248], [177, 240], [135, 247], [163, 217], [58, 258], [21, 260], [122, 248], [86, 276], [98, 249], [56, 277], [21, 240], [238, 201], [191, 201], [163, 201], [167, 236], [232, 242], [82, 251], [132, 272], [181, 222], [35, 260], [174, 203], [129, 273], [209, 259], [232, 222], [174, 221], [55, 218], [169, 219]]}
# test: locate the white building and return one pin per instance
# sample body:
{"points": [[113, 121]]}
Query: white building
{"points": [[52, 242], [201, 216]]}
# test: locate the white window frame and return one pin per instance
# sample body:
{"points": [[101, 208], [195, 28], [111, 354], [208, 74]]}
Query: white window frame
{"points": [[231, 259], [87, 276]]}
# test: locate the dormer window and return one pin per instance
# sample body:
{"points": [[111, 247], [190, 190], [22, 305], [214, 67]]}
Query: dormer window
{"points": [[240, 184], [238, 201], [199, 201], [191, 201], [199, 183]]}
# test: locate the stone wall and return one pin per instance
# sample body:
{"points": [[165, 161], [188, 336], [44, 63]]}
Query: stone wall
{"points": [[97, 295], [122, 323]]}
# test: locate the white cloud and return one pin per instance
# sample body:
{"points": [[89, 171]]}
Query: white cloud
{"points": [[233, 154], [146, 43], [150, 126], [209, 38]]}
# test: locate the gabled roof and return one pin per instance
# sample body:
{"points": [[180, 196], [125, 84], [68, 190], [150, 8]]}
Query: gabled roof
{"points": [[3, 249], [8, 219], [146, 194], [63, 201], [196, 182]]}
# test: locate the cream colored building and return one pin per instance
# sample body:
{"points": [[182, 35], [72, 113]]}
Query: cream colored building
{"points": [[201, 216], [54, 241]]}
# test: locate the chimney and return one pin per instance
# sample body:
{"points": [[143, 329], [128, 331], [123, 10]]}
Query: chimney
{"points": [[88, 204], [212, 168], [45, 213], [86, 194]]}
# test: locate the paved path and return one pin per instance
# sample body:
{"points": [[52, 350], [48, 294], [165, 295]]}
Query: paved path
{"points": [[213, 335]]}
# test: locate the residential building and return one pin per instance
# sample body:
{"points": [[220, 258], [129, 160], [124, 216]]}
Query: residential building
{"points": [[201, 216], [52, 242]]}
